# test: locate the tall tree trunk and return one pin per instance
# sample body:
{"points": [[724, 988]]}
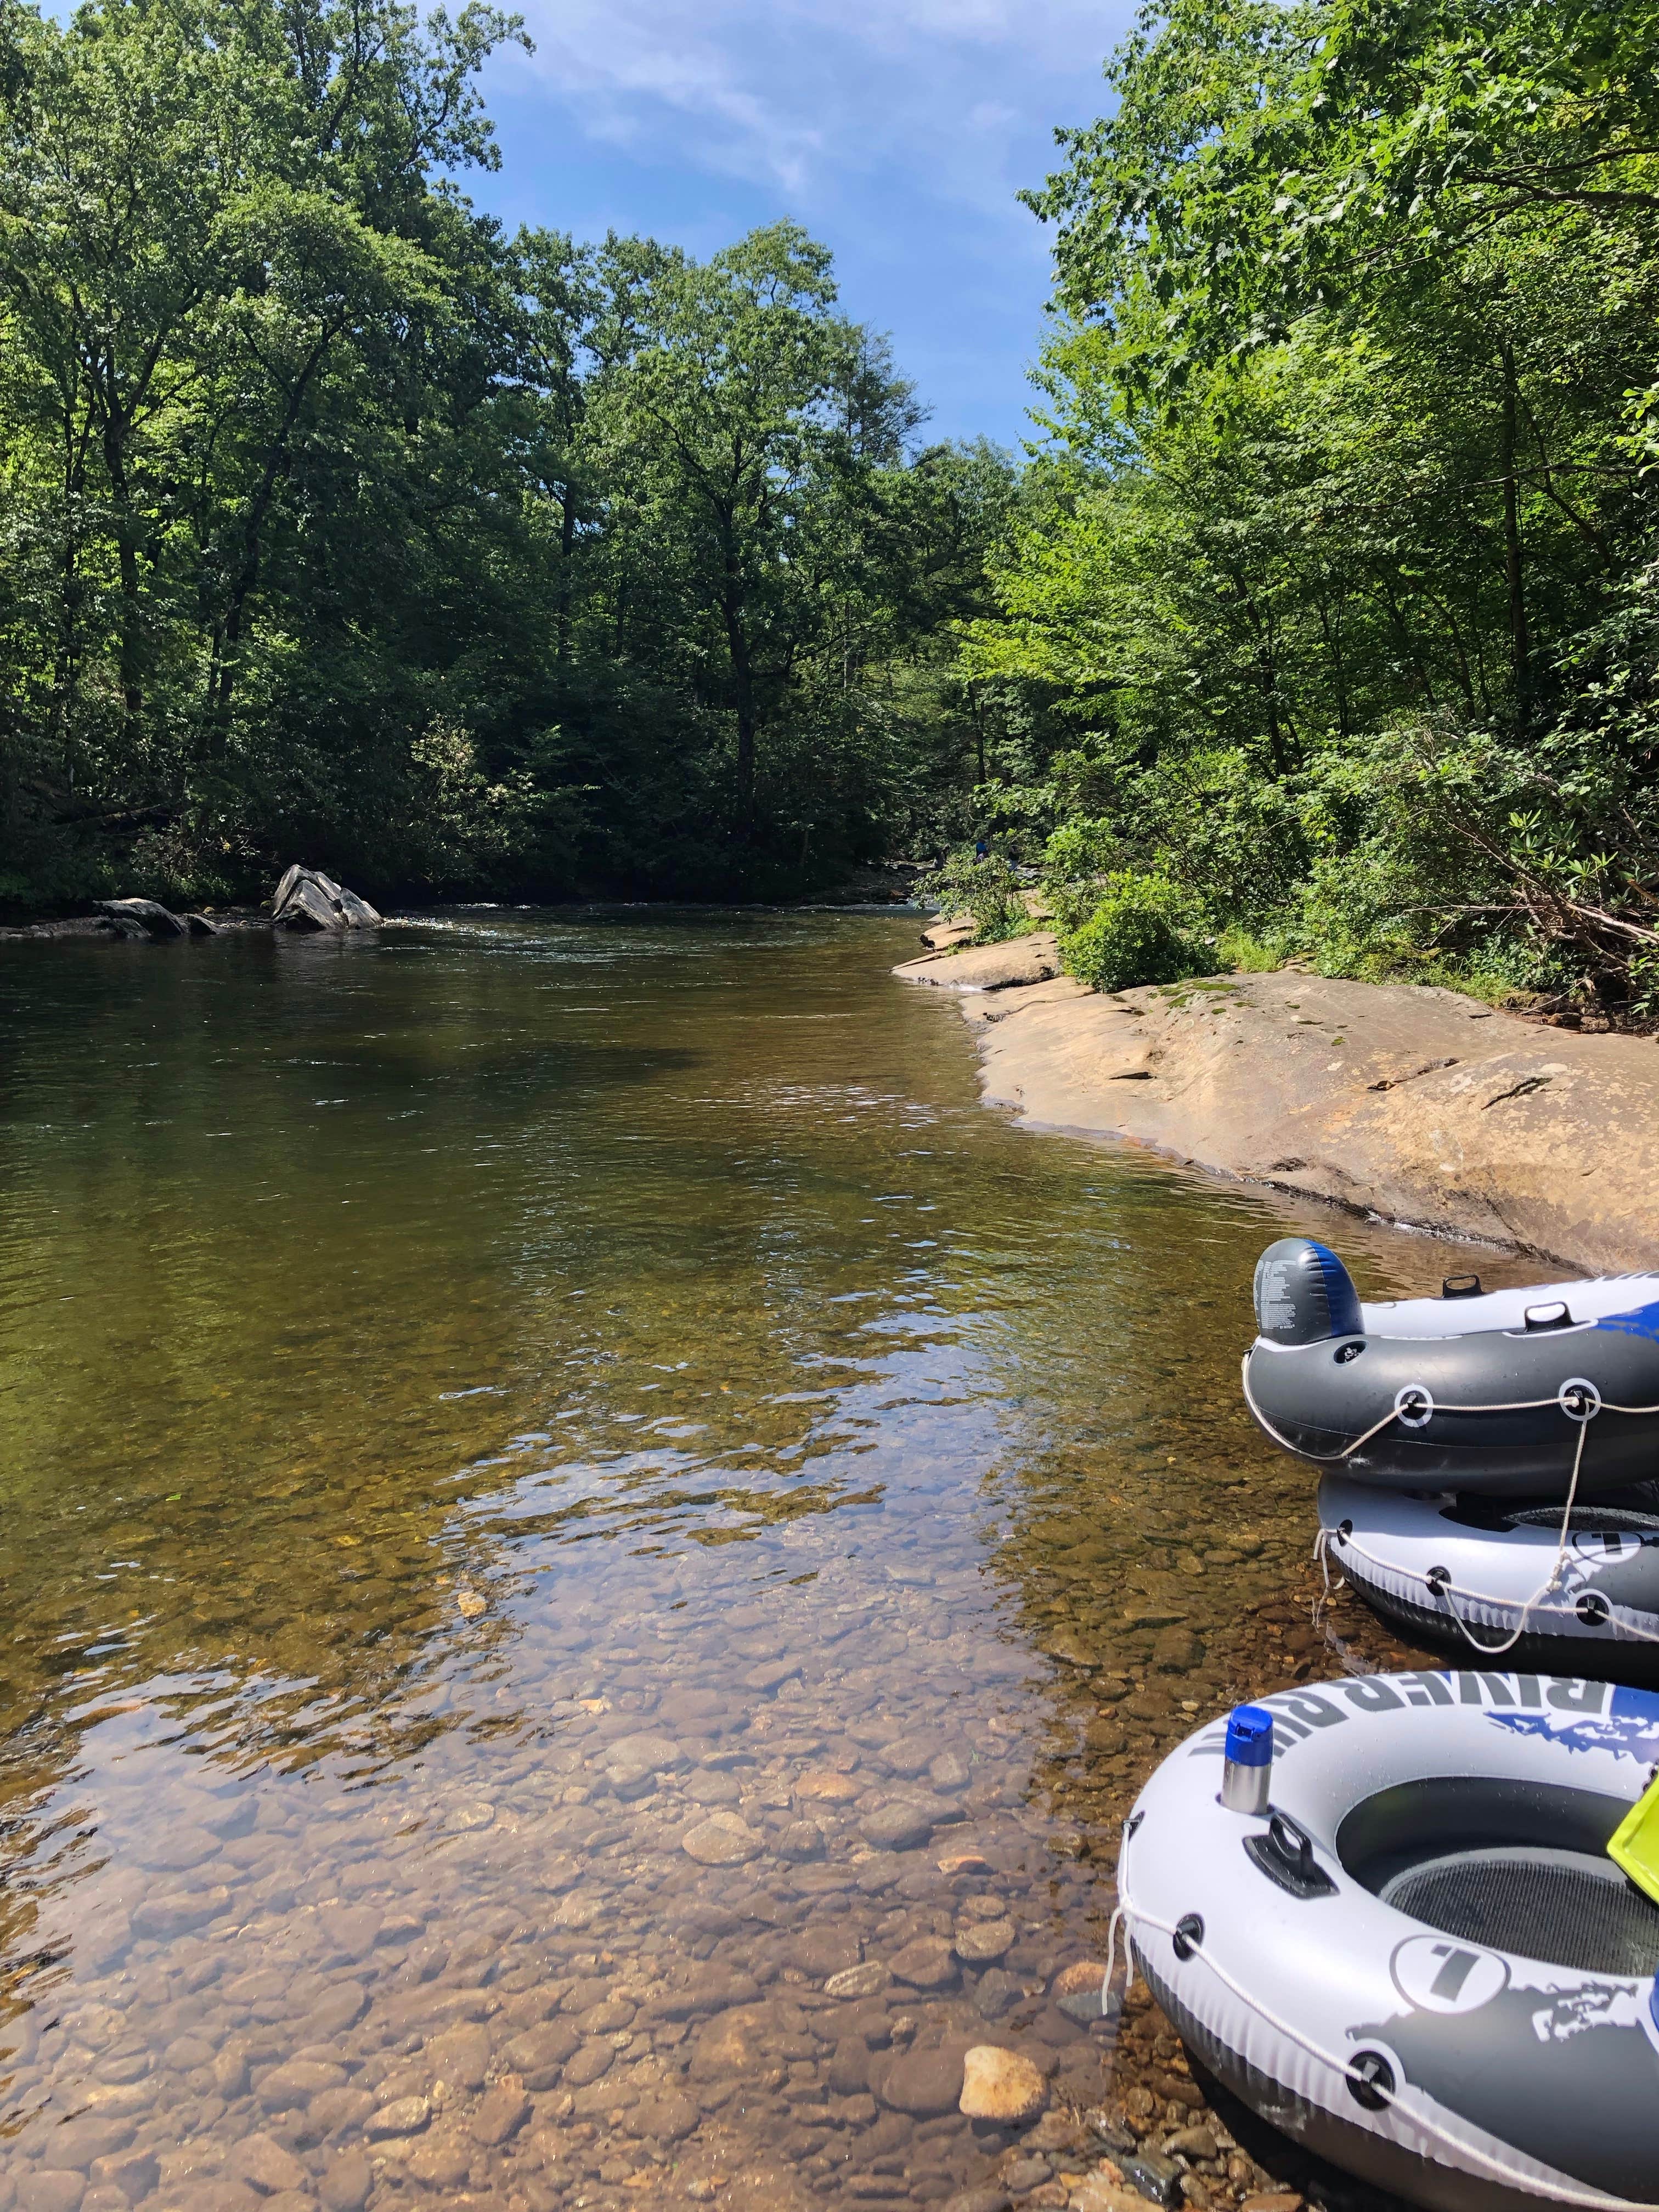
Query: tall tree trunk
{"points": [[1267, 663], [1520, 642], [1275, 735], [130, 641], [1405, 640], [567, 543], [746, 772], [743, 692], [222, 679], [66, 669], [1460, 657], [1339, 671]]}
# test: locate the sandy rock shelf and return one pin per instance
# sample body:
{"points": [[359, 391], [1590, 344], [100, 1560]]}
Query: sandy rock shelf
{"points": [[1419, 1106]]}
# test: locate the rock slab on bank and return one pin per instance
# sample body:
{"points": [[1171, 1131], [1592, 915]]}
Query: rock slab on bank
{"points": [[946, 934], [1031, 959], [1416, 1104]]}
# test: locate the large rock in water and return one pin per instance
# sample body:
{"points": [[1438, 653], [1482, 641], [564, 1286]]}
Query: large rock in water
{"points": [[308, 899], [148, 918]]}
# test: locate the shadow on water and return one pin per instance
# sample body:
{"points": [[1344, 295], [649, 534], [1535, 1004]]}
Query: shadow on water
{"points": [[566, 1485]]}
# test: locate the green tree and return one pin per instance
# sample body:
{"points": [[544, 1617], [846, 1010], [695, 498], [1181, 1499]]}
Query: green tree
{"points": [[219, 235], [335, 521], [1343, 548], [753, 415]]}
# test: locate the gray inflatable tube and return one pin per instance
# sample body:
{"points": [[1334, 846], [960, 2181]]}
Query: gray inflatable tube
{"points": [[1516, 1393], [1492, 1577], [1420, 1962]]}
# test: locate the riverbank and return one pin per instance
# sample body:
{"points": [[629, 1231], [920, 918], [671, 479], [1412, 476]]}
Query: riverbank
{"points": [[1419, 1106]]}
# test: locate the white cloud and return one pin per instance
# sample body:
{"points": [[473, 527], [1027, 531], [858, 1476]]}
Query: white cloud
{"points": [[794, 94], [899, 130]]}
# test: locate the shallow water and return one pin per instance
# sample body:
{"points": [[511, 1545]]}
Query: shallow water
{"points": [[566, 1485]]}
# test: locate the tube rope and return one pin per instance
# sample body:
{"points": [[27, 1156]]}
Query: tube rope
{"points": [[1514, 1406], [1510, 1406], [1535, 1602], [1594, 2200], [1324, 1459], [1328, 1543]]}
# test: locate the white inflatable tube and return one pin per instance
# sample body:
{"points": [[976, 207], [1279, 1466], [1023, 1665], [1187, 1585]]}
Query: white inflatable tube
{"points": [[1426, 1320], [1493, 1578], [1421, 1963]]}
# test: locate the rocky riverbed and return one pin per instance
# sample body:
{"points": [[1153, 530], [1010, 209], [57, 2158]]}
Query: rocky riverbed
{"points": [[805, 1937], [594, 1554]]}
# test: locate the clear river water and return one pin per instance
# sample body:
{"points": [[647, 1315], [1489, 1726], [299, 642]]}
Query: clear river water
{"points": [[592, 1554]]}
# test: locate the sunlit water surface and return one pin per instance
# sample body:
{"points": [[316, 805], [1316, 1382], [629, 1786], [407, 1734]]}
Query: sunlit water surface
{"points": [[566, 1485]]}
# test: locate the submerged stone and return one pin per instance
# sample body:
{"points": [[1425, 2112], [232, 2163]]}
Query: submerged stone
{"points": [[723, 1839], [1000, 2085]]}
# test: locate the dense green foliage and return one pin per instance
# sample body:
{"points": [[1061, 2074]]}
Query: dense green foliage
{"points": [[338, 524], [981, 887], [1332, 596], [1143, 929]]}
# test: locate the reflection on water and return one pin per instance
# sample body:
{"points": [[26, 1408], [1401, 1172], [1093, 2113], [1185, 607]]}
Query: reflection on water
{"points": [[591, 1551]]}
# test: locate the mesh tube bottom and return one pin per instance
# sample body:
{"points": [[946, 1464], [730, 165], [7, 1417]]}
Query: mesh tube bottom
{"points": [[1564, 1907]]}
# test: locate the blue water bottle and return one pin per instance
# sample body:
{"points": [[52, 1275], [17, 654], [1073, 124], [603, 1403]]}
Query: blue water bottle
{"points": [[1247, 1776]]}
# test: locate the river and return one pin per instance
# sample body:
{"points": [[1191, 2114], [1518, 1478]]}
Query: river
{"points": [[567, 1485]]}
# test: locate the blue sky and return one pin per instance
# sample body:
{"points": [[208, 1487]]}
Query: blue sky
{"points": [[897, 131]]}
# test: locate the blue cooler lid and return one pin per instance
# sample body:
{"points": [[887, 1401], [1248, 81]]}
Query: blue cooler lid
{"points": [[1250, 1736]]}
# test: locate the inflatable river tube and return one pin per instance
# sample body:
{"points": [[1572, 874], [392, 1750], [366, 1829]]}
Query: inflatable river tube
{"points": [[1505, 1393], [1464, 1572], [1420, 1962]]}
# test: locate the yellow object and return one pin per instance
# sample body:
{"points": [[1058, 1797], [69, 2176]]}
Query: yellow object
{"points": [[1635, 1844]]}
